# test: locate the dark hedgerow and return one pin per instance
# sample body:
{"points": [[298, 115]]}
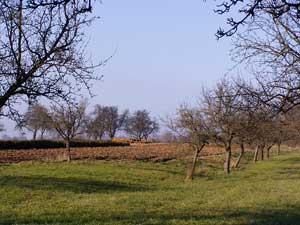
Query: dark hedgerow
{"points": [[44, 144]]}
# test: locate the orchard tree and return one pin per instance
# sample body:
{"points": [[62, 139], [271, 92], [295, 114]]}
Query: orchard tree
{"points": [[68, 121], [140, 125], [36, 119], [269, 45], [248, 10], [222, 109], [42, 53], [292, 123], [190, 126], [270, 48], [245, 125]]}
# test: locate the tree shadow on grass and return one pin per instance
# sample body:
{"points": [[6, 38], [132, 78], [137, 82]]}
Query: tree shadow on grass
{"points": [[70, 184], [270, 217], [4, 164], [287, 216], [163, 170]]}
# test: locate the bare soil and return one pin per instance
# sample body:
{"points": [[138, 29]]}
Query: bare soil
{"points": [[144, 152]]}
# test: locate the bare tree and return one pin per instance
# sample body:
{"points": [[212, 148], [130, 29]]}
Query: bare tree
{"points": [[96, 122], [190, 127], [245, 125], [113, 120], [68, 121], [291, 120], [270, 46], [36, 119], [222, 109], [263, 134], [248, 10], [42, 51], [140, 125]]}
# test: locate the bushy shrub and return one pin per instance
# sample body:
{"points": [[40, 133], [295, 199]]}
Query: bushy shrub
{"points": [[122, 140], [131, 140], [43, 144]]}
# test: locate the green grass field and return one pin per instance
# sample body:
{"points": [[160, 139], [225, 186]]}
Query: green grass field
{"points": [[108, 192]]}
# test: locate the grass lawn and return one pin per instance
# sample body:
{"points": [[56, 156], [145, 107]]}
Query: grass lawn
{"points": [[108, 192]]}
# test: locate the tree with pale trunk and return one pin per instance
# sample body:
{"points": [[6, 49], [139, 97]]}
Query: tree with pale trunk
{"points": [[68, 122]]}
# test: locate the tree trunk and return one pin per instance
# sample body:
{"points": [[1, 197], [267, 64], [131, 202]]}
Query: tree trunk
{"points": [[68, 148], [191, 170], [34, 135], [262, 152], [227, 158], [42, 134], [278, 148], [242, 150], [268, 152], [256, 153], [227, 162]]}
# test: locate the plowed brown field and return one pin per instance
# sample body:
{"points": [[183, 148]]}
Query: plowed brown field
{"points": [[144, 152]]}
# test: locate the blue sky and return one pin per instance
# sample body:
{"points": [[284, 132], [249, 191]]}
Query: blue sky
{"points": [[165, 51]]}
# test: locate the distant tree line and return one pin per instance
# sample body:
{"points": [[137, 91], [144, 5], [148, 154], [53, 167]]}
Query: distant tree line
{"points": [[69, 121]]}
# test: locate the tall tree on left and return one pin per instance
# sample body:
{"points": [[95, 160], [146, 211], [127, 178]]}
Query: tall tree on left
{"points": [[42, 51]]}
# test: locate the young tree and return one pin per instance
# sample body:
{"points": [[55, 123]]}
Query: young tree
{"points": [[190, 126], [263, 133], [140, 125], [68, 121], [42, 50], [222, 109], [244, 128], [36, 119]]}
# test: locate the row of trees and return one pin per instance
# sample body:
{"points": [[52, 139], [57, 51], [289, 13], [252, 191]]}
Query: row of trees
{"points": [[228, 115], [70, 121], [266, 110]]}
